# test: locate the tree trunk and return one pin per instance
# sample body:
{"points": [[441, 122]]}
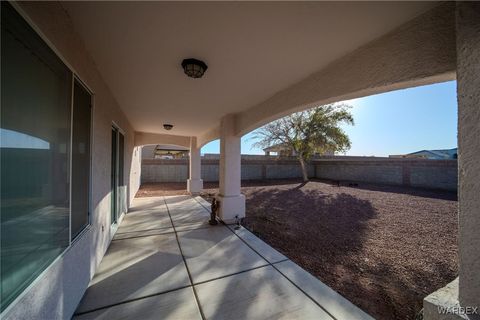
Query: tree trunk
{"points": [[304, 168]]}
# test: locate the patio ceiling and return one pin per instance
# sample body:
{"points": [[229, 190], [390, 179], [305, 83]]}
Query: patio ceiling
{"points": [[253, 51]]}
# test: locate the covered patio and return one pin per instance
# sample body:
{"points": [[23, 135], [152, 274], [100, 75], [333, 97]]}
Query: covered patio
{"points": [[94, 82], [165, 259]]}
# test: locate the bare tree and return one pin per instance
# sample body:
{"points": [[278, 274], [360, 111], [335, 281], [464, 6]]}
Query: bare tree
{"points": [[308, 132]]}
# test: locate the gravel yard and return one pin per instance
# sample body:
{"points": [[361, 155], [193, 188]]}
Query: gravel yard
{"points": [[382, 247]]}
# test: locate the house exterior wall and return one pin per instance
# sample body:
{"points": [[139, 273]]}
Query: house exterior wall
{"points": [[468, 95], [146, 138], [57, 291], [464, 292], [148, 151]]}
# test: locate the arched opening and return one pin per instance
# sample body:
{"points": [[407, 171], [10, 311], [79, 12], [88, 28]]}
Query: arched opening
{"points": [[348, 225], [164, 169]]}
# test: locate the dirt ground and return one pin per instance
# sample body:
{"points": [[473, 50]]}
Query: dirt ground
{"points": [[382, 247]]}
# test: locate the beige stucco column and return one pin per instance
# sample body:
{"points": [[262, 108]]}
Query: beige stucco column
{"points": [[232, 202], [462, 296], [468, 95], [195, 183]]}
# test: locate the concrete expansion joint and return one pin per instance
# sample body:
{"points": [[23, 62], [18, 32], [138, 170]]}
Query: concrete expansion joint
{"points": [[275, 267], [195, 293]]}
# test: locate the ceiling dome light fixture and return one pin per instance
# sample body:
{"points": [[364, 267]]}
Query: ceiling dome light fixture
{"points": [[194, 68], [167, 126]]}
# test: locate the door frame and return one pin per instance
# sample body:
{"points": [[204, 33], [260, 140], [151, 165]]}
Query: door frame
{"points": [[115, 209]]}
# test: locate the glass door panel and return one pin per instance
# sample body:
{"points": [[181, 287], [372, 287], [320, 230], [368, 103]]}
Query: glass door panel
{"points": [[114, 176]]}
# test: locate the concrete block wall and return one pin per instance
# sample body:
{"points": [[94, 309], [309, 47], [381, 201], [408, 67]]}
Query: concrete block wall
{"points": [[365, 172], [253, 168], [438, 177], [433, 174], [164, 172], [210, 172], [287, 171], [252, 172]]}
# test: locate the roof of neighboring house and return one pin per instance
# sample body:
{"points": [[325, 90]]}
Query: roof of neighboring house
{"points": [[277, 147], [441, 153]]}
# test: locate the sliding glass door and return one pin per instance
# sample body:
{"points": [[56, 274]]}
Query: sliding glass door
{"points": [[118, 188]]}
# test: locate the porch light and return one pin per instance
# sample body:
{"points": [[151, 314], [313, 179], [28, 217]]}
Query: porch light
{"points": [[167, 126], [194, 68]]}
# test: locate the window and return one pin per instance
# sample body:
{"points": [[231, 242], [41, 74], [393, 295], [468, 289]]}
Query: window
{"points": [[37, 155], [35, 98], [80, 158]]}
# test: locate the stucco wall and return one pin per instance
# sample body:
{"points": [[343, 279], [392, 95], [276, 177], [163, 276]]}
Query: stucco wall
{"points": [[135, 171], [146, 138], [56, 293], [468, 84], [422, 51]]}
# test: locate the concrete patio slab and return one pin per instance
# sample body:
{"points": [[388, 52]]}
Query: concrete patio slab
{"points": [[207, 205], [216, 252], [151, 203], [187, 212], [134, 268], [185, 203], [193, 226], [267, 252], [142, 233], [178, 304], [189, 218], [330, 300], [176, 199], [262, 293], [231, 273], [145, 220]]}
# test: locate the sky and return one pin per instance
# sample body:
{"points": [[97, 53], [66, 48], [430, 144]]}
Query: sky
{"points": [[395, 122]]}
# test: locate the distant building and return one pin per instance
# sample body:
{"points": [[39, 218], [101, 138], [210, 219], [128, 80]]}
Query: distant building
{"points": [[283, 150], [164, 152], [443, 154], [280, 150]]}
